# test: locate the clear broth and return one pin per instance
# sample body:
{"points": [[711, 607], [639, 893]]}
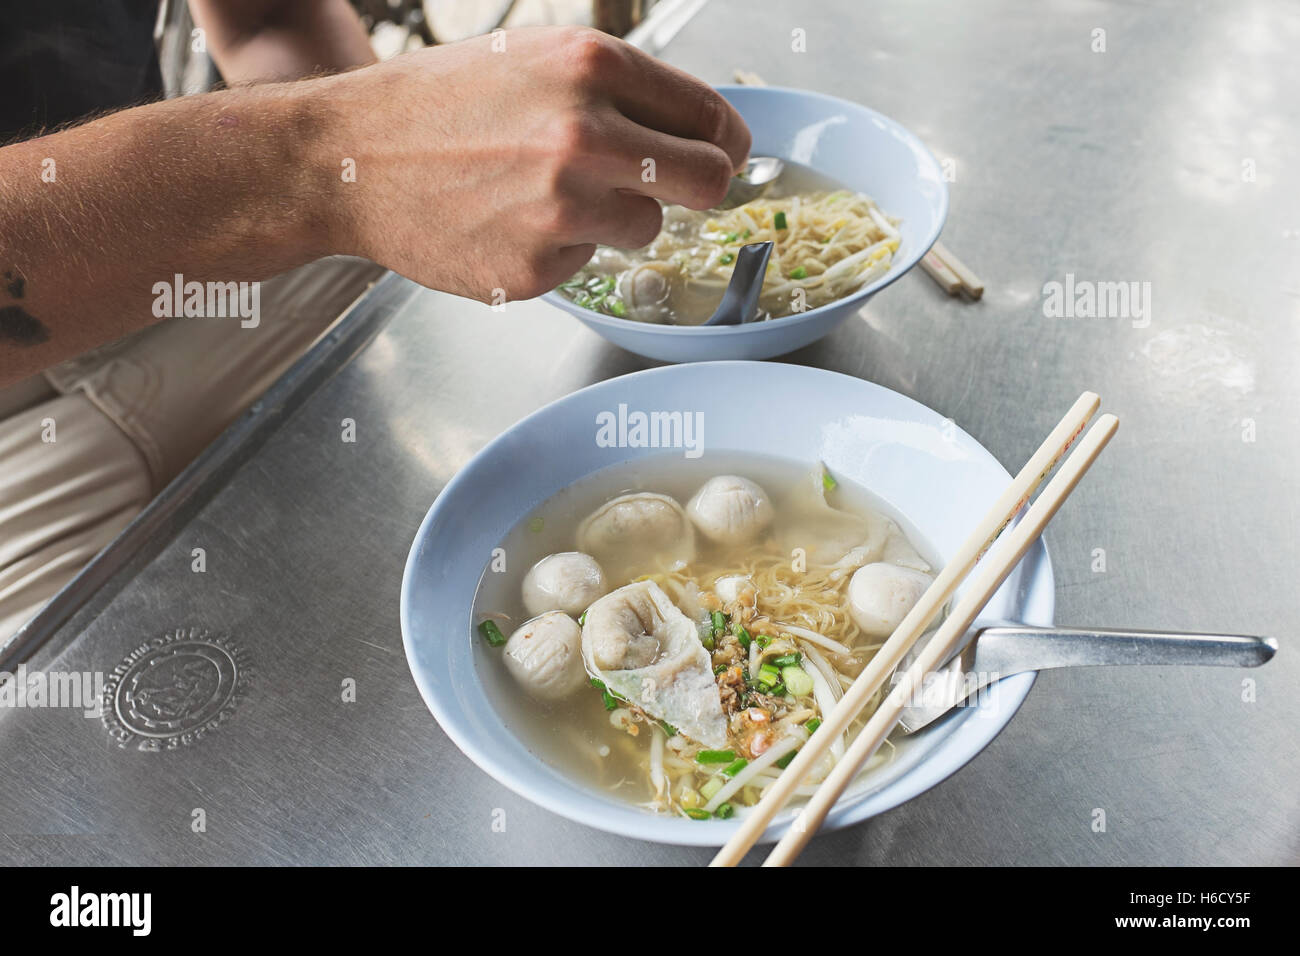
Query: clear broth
{"points": [[569, 735]]}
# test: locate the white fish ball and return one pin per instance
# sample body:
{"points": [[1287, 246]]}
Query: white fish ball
{"points": [[881, 594], [730, 510], [545, 656], [569, 581]]}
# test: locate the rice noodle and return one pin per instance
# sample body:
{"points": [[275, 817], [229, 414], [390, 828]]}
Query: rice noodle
{"points": [[657, 776], [785, 745], [823, 665], [826, 701], [815, 638]]}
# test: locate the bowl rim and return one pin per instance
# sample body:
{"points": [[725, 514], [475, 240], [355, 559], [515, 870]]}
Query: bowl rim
{"points": [[897, 269], [630, 821]]}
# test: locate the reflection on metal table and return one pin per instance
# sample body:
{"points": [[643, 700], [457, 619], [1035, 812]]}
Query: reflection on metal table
{"points": [[1163, 159]]}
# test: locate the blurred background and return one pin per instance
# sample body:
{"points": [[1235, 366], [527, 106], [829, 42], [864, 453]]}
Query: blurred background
{"points": [[397, 26]]}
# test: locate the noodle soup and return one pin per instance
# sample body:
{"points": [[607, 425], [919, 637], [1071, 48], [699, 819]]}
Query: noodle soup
{"points": [[828, 243], [672, 631]]}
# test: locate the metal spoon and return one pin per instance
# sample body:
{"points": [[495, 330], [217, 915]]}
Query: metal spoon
{"points": [[740, 301], [998, 652], [752, 181]]}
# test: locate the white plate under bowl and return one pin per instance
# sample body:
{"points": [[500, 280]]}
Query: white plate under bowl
{"points": [[939, 477], [857, 147]]}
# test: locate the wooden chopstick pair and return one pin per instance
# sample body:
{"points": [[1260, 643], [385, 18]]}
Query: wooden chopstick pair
{"points": [[1022, 487], [951, 273]]}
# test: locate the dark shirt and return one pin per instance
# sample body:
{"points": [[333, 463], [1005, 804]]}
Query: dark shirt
{"points": [[64, 60]]}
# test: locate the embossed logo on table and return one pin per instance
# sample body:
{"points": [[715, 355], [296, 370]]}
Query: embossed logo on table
{"points": [[173, 690]]}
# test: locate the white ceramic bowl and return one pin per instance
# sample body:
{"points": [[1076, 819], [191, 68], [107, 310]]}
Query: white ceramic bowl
{"points": [[855, 146], [900, 450]]}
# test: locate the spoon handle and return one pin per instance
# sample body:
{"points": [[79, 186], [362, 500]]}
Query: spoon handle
{"points": [[1000, 651], [1011, 649], [740, 302]]}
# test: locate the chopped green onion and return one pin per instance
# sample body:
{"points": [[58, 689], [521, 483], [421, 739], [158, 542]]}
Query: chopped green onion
{"points": [[695, 813], [493, 633], [735, 766], [617, 307], [724, 811], [763, 640], [828, 482], [786, 660], [742, 635], [719, 623], [711, 788], [726, 258], [715, 756], [746, 234], [669, 729], [784, 762], [779, 220], [798, 272], [611, 701], [811, 724], [778, 690], [769, 676], [719, 669], [582, 619], [706, 638], [797, 681], [731, 237]]}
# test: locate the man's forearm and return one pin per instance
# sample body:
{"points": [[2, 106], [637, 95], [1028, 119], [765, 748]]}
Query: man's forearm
{"points": [[216, 188], [259, 41]]}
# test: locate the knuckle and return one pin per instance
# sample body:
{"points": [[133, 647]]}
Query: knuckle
{"points": [[589, 53], [712, 116], [576, 134]]}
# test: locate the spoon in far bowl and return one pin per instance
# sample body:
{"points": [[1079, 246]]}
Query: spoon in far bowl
{"points": [[759, 174], [740, 302]]}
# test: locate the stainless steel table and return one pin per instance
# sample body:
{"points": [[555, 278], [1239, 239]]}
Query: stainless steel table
{"points": [[1170, 158]]}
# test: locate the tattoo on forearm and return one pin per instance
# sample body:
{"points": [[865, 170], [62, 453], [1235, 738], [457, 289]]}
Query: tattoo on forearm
{"points": [[16, 323], [19, 327]]}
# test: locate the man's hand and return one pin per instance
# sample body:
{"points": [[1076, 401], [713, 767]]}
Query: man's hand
{"points": [[497, 163]]}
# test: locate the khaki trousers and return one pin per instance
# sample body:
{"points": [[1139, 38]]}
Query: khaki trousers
{"points": [[86, 445]]}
